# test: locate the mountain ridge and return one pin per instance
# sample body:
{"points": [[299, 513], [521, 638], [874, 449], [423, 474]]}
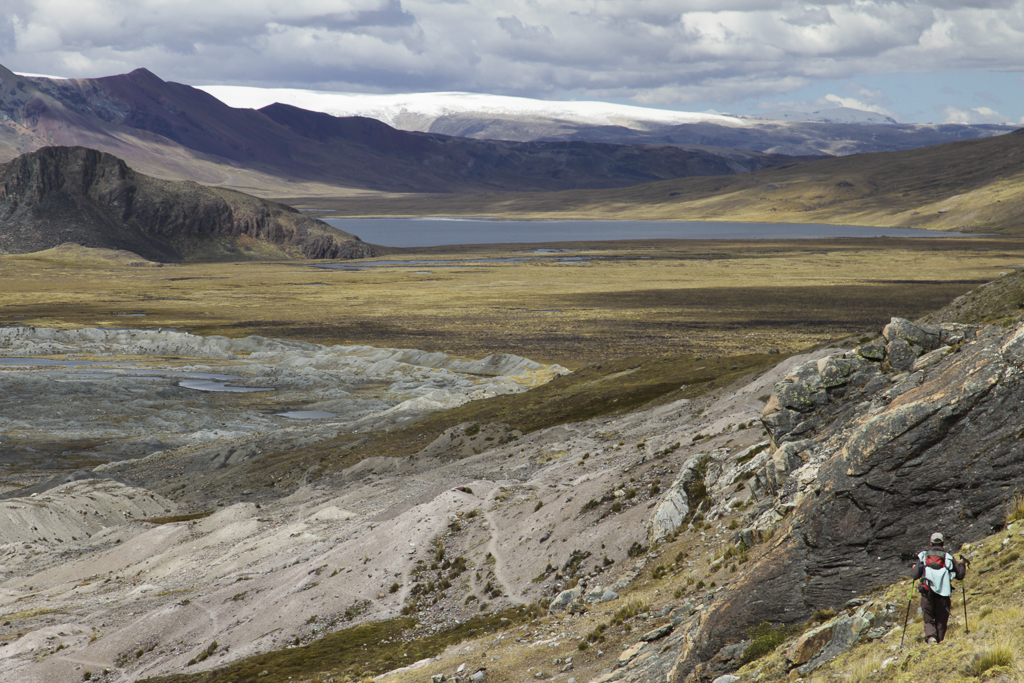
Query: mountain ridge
{"points": [[838, 131], [174, 131], [57, 195]]}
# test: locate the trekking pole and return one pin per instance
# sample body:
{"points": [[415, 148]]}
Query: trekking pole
{"points": [[907, 618], [963, 589]]}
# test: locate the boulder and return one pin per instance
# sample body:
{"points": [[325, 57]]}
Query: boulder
{"points": [[799, 396], [874, 350], [902, 329], [835, 371], [657, 633], [564, 599], [900, 355], [808, 645]]}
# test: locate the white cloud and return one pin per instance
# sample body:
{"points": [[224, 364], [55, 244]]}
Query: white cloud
{"points": [[662, 52], [854, 103], [975, 115]]}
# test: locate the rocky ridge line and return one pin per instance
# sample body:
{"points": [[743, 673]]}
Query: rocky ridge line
{"points": [[57, 195]]}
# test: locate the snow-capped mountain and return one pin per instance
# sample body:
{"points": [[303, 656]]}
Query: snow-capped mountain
{"points": [[831, 115], [402, 111], [836, 131]]}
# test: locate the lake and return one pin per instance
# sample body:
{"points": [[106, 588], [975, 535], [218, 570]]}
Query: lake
{"points": [[434, 232]]}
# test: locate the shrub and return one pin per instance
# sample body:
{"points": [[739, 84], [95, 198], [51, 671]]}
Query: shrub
{"points": [[1016, 509], [630, 610], [766, 638], [823, 615], [1001, 655]]}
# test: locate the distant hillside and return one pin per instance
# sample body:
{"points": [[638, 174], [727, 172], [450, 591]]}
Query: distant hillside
{"points": [[835, 131], [174, 131], [974, 185], [61, 195]]}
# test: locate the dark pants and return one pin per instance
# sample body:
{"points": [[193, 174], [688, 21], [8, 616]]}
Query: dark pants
{"points": [[935, 609]]}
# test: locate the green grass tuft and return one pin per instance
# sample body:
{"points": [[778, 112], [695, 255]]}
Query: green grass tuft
{"points": [[1000, 655]]}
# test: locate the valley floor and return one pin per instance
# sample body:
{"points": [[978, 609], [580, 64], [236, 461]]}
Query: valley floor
{"points": [[614, 538], [613, 300]]}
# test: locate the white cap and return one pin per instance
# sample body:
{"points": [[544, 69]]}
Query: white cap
{"points": [[937, 539]]}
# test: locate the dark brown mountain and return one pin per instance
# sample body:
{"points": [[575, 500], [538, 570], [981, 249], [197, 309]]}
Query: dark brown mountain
{"points": [[176, 131], [58, 195]]}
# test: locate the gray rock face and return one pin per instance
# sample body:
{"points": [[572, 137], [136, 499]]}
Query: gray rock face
{"points": [[675, 504], [790, 411], [865, 477]]}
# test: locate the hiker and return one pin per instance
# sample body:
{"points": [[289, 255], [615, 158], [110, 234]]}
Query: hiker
{"points": [[934, 567]]}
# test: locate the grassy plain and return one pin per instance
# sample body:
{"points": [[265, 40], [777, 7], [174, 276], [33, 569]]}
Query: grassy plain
{"points": [[652, 298]]}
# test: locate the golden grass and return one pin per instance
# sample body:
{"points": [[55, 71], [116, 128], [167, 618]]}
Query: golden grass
{"points": [[862, 669], [643, 299], [997, 656], [1016, 509]]}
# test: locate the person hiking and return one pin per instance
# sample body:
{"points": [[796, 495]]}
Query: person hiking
{"points": [[935, 567]]}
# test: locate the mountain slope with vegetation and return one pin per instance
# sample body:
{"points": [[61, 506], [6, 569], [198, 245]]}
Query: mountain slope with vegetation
{"points": [[972, 186]]}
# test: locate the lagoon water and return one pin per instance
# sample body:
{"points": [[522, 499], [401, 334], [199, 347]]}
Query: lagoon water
{"points": [[432, 232]]}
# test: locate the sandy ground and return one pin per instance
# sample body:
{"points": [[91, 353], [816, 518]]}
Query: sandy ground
{"points": [[100, 588]]}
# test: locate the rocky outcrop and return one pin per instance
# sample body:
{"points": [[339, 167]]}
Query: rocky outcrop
{"points": [[794, 407], [58, 195], [870, 450]]}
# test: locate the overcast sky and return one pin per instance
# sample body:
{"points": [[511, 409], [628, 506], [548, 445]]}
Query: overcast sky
{"points": [[943, 61]]}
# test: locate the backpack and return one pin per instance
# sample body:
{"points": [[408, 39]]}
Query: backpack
{"points": [[935, 561]]}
